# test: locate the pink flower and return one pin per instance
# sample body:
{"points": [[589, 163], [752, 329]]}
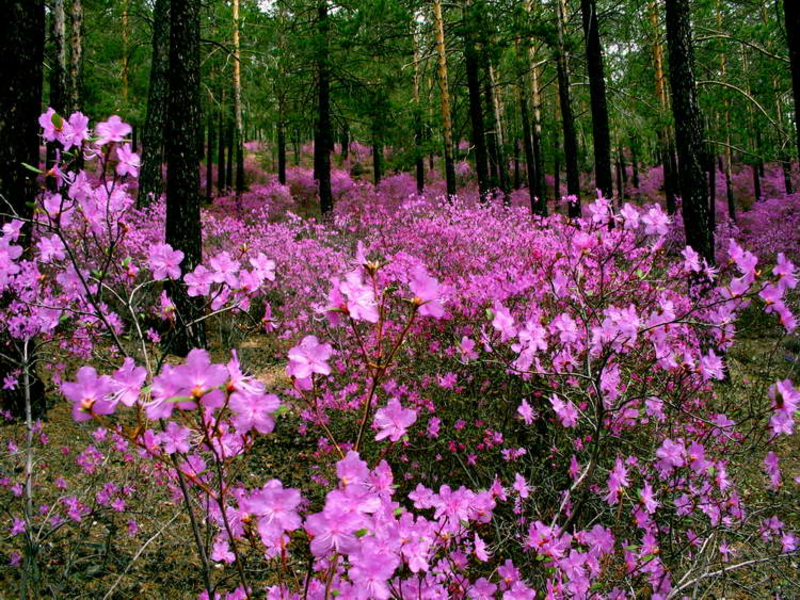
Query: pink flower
{"points": [[165, 262], [128, 161], [393, 420], [89, 393], [427, 293], [113, 130], [565, 411], [308, 358], [525, 411], [773, 469], [253, 411]]}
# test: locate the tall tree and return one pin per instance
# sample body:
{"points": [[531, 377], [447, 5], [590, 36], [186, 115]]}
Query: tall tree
{"points": [[447, 123], [150, 181], [76, 56], [472, 66], [183, 229], [567, 116], [323, 140], [237, 101], [601, 134], [791, 13], [22, 36], [688, 130], [22, 44]]}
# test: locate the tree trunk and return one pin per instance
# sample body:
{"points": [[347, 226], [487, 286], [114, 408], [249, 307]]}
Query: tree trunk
{"points": [[712, 189], [478, 138], [221, 175], [419, 163], [126, 34], [517, 175], [447, 124], [756, 183], [791, 10], [183, 230], [210, 158], [322, 145], [281, 150], [597, 87], [58, 75], [567, 119], [498, 140], [345, 142], [635, 164], [76, 58], [237, 101], [527, 142], [22, 39], [688, 130], [229, 167], [150, 179], [533, 91]]}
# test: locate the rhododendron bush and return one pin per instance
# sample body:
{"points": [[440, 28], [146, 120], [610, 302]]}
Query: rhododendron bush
{"points": [[494, 406]]}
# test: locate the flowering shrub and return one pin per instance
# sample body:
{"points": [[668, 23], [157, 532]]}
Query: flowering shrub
{"points": [[495, 406]]}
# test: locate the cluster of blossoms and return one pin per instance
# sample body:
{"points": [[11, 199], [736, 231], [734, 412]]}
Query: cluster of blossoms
{"points": [[487, 395]]}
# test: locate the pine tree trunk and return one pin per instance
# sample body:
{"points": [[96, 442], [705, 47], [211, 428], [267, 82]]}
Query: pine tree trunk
{"points": [[419, 162], [58, 75], [22, 39], [688, 130], [567, 119], [322, 145], [478, 138], [635, 164], [237, 101], [447, 124], [597, 88], [210, 158], [281, 151], [756, 183], [532, 86], [76, 57], [183, 230], [791, 10], [221, 159], [151, 185], [498, 137], [527, 142], [230, 144]]}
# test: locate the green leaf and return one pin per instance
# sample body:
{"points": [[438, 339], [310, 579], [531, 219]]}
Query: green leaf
{"points": [[56, 120], [32, 168], [361, 532]]}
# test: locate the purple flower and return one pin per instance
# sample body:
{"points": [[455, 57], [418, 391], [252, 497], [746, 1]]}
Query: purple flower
{"points": [[308, 358], [393, 420], [165, 262], [113, 130], [128, 161], [427, 293]]}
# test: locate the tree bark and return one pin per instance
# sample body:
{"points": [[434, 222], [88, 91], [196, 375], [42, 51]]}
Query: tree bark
{"points": [[791, 13], [151, 185], [447, 123], [419, 163], [567, 119], [472, 66], [221, 175], [533, 91], [22, 40], [601, 136], [76, 57], [237, 101], [210, 158], [322, 145], [230, 144], [183, 229], [688, 130]]}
